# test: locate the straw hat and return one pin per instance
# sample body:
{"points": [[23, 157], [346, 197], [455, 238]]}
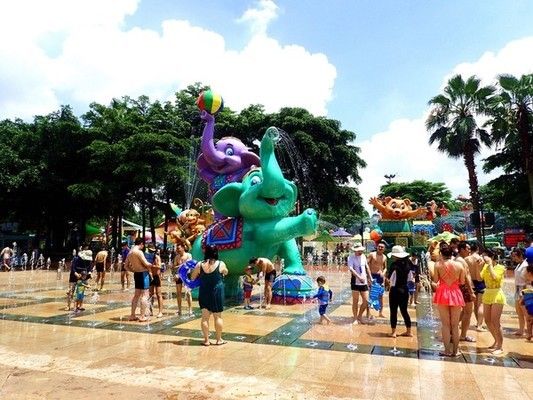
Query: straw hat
{"points": [[398, 252], [86, 255], [358, 247]]}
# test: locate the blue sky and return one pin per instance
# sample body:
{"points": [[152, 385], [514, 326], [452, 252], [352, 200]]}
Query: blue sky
{"points": [[373, 65], [390, 55]]}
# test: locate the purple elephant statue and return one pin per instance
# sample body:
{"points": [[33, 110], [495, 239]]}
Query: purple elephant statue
{"points": [[223, 162]]}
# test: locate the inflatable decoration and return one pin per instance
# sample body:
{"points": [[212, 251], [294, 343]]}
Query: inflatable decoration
{"points": [[431, 208], [190, 224], [396, 219], [376, 291], [184, 271], [447, 227], [210, 102], [376, 235], [223, 162], [529, 254], [259, 225], [396, 209]]}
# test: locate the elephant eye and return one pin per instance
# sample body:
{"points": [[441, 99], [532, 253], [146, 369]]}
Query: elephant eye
{"points": [[229, 151], [255, 180]]}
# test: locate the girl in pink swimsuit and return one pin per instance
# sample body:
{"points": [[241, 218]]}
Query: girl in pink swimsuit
{"points": [[449, 299]]}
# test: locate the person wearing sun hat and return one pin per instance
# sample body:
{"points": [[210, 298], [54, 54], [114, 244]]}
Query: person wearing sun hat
{"points": [[360, 273], [399, 274]]}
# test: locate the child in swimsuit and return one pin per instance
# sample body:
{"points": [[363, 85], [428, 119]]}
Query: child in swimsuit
{"points": [[248, 283], [323, 296], [81, 284]]}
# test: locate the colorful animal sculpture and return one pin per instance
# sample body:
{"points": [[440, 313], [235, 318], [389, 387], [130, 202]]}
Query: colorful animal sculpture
{"points": [[431, 210], [258, 223], [223, 162], [396, 209]]}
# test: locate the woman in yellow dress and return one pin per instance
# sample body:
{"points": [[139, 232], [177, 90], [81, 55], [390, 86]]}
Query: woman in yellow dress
{"points": [[493, 298]]}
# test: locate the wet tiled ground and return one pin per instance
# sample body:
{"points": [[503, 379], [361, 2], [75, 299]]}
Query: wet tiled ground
{"points": [[280, 353]]}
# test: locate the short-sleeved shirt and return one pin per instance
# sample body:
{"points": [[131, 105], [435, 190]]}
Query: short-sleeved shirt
{"points": [[490, 282], [520, 274], [358, 263]]}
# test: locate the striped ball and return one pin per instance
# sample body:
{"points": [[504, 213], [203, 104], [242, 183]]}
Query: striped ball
{"points": [[210, 102]]}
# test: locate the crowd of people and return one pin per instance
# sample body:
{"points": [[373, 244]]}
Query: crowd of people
{"points": [[466, 283]]}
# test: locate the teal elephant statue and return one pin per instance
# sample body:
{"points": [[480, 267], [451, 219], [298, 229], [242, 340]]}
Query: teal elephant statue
{"points": [[258, 224]]}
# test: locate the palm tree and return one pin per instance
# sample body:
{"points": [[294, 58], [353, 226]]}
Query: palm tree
{"points": [[512, 125], [453, 125]]}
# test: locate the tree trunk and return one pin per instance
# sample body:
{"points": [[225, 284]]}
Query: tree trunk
{"points": [[165, 238], [474, 189], [114, 231], [526, 148], [151, 215], [120, 227], [530, 181]]}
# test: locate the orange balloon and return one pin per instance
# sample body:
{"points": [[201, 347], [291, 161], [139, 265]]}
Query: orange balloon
{"points": [[375, 235]]}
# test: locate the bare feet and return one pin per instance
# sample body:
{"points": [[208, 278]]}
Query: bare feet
{"points": [[206, 344], [381, 316], [392, 334], [467, 339], [497, 352], [407, 334], [518, 333], [132, 318]]}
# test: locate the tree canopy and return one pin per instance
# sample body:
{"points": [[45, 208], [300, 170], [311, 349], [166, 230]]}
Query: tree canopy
{"points": [[63, 170], [420, 192]]}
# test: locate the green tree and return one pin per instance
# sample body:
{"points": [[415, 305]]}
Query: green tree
{"points": [[140, 152], [420, 192], [46, 158], [454, 127], [512, 127]]}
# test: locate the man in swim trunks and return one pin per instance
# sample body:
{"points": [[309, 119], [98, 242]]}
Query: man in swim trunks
{"points": [[141, 268], [100, 262], [475, 264], [181, 257], [269, 272], [463, 249], [377, 263]]}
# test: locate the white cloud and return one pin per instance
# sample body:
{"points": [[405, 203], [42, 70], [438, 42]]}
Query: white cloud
{"points": [[260, 17], [403, 148], [80, 51]]}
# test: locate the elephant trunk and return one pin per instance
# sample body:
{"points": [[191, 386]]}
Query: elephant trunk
{"points": [[273, 185], [213, 156]]}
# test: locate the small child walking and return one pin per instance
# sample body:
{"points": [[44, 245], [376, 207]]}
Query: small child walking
{"points": [[323, 296], [248, 283], [81, 284]]}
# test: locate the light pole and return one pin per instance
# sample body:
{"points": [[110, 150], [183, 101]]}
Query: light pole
{"points": [[389, 178]]}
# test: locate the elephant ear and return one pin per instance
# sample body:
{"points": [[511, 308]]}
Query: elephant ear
{"points": [[226, 199], [249, 159]]}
